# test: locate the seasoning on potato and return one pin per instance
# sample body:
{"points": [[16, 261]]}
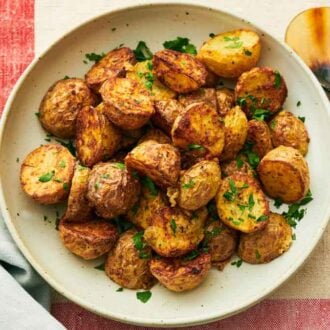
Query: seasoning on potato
{"points": [[200, 95], [238, 165], [225, 100]]}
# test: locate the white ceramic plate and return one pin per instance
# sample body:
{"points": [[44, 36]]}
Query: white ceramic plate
{"points": [[223, 293]]}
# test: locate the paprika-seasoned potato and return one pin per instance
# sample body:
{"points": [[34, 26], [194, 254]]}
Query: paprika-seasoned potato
{"points": [[181, 72], [288, 130], [236, 128], [127, 266], [174, 233], [112, 189], [259, 136], [113, 64], [88, 240], [240, 165], [61, 104], [225, 100], [156, 135], [179, 274], [127, 104], [160, 162], [267, 244], [199, 125], [46, 173], [284, 174], [231, 53], [191, 157], [200, 95], [260, 88], [166, 113], [241, 203], [78, 209]]}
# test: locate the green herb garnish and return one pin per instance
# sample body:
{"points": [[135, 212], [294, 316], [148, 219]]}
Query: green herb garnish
{"points": [[262, 218], [62, 163], [173, 226], [181, 45], [143, 296], [121, 166], [147, 182], [258, 256], [100, 266], [142, 52], [247, 52], [235, 42], [251, 202], [260, 114], [138, 242], [194, 146], [47, 176], [253, 158], [278, 202], [301, 118], [293, 237], [239, 162], [65, 186], [211, 35], [237, 263], [120, 290], [93, 57], [69, 145], [188, 185], [278, 80], [122, 225], [298, 104]]}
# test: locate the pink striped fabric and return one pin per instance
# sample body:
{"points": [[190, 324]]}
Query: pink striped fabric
{"points": [[16, 52]]}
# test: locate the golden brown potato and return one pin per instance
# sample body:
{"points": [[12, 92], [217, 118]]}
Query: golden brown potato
{"points": [[127, 266], [200, 95], [179, 274], [166, 113], [174, 233], [241, 203], [97, 139], [287, 130], [225, 100], [181, 72], [142, 72], [284, 174], [78, 209], [236, 128], [156, 135], [265, 245], [127, 104], [112, 189], [260, 88], [46, 173], [259, 135], [150, 202], [160, 162], [240, 165], [88, 240], [113, 64], [61, 104], [199, 125], [198, 185], [231, 53]]}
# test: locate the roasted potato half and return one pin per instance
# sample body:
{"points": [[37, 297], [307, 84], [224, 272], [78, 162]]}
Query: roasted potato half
{"points": [[179, 274], [160, 162], [46, 173], [288, 130], [113, 64], [241, 203], [199, 125], [174, 233], [267, 244], [156, 135], [112, 189], [88, 240], [259, 135], [181, 72], [166, 113], [200, 95], [236, 128], [238, 165], [128, 104], [126, 265], [284, 174], [260, 88], [231, 53], [59, 107], [225, 100]]}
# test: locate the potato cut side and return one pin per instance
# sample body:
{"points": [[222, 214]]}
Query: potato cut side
{"points": [[284, 174], [241, 203], [200, 95], [46, 173], [225, 100]]}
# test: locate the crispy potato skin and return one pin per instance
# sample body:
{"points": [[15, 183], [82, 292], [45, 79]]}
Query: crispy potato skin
{"points": [[284, 174], [181, 275], [242, 219], [156, 135], [125, 267], [225, 100], [236, 128], [127, 104], [88, 240], [200, 95], [112, 190], [265, 245], [78, 209], [174, 243], [161, 162], [54, 160], [166, 113], [199, 124], [258, 87], [181, 72], [113, 64], [198, 185], [259, 135], [231, 53], [234, 166], [61, 104], [287, 130]]}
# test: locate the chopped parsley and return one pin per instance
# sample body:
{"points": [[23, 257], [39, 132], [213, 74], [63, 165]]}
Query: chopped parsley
{"points": [[147, 182], [96, 186], [234, 42], [230, 194], [65, 186], [173, 226], [239, 162], [301, 118], [62, 164], [258, 256], [143, 296], [142, 52], [260, 114], [192, 255], [272, 124], [140, 245], [105, 176], [69, 145], [66, 77], [237, 263], [149, 80], [37, 114], [211, 234], [182, 45], [149, 65], [247, 52], [100, 266], [251, 202], [17, 160], [47, 176], [121, 166], [194, 146], [120, 289], [188, 185], [211, 35], [253, 158], [293, 237], [298, 104], [122, 225], [93, 57], [262, 218], [278, 80], [278, 202]]}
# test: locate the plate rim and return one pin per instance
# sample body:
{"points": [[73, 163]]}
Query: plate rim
{"points": [[178, 322]]}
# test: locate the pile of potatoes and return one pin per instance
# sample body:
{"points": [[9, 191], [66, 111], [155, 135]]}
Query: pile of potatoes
{"points": [[160, 145]]}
